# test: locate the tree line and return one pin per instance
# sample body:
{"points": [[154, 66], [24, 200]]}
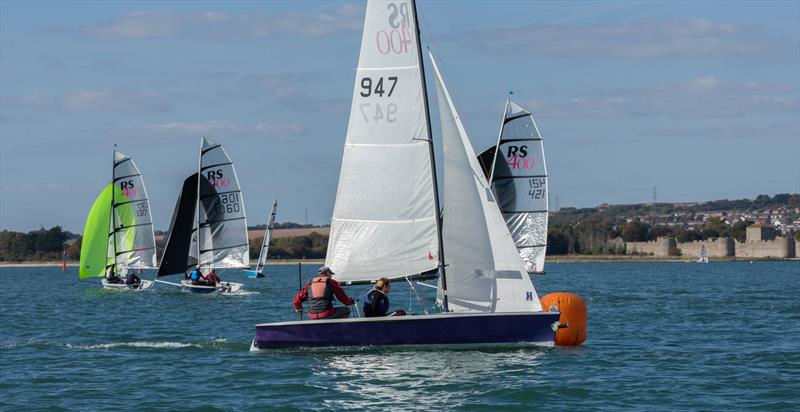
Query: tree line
{"points": [[39, 245], [590, 237]]}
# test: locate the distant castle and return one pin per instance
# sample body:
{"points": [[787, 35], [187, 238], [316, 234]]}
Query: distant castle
{"points": [[761, 242]]}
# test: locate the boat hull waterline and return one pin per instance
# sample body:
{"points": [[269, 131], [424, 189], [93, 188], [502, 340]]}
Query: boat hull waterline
{"points": [[253, 274], [447, 329], [224, 287], [146, 284]]}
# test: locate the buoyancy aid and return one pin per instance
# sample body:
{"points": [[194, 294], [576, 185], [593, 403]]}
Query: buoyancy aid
{"points": [[376, 304], [320, 296]]}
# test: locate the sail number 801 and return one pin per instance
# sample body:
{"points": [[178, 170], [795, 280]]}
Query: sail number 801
{"points": [[228, 203]]}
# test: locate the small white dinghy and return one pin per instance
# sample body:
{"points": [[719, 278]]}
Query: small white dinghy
{"points": [[208, 231], [144, 284], [118, 235], [222, 287], [262, 256]]}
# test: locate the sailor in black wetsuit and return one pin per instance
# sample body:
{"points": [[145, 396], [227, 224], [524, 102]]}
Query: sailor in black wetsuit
{"points": [[377, 301], [133, 281], [111, 275]]}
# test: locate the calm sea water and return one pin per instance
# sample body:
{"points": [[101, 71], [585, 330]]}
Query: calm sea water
{"points": [[662, 336]]}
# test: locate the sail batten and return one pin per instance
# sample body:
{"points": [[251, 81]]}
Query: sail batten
{"points": [[384, 218]]}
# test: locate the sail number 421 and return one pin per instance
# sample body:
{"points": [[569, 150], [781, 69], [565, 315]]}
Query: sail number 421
{"points": [[537, 189]]}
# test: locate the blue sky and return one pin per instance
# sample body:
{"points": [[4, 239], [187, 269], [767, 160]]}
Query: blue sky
{"points": [[701, 99]]}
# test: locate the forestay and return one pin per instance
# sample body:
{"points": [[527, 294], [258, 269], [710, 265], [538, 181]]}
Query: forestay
{"points": [[484, 270], [384, 219], [134, 245], [222, 225], [519, 180]]}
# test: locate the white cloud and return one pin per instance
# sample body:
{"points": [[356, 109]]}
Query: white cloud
{"points": [[93, 101], [703, 83], [644, 39], [222, 26], [701, 97], [210, 128], [193, 128], [280, 129], [727, 131]]}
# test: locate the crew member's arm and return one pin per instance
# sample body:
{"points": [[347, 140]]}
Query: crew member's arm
{"points": [[300, 298], [339, 292]]}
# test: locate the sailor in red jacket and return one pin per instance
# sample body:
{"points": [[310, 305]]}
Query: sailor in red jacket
{"points": [[320, 291]]}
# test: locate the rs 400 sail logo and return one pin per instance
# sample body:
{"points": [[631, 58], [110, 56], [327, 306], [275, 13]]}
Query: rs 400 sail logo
{"points": [[217, 179], [128, 188], [517, 158]]}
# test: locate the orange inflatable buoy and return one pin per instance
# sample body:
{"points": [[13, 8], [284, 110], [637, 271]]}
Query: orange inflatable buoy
{"points": [[572, 331]]}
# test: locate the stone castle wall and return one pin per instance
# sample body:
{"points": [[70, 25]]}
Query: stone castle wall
{"points": [[719, 247], [780, 247], [659, 247]]}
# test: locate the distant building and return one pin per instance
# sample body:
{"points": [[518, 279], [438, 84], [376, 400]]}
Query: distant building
{"points": [[760, 231]]}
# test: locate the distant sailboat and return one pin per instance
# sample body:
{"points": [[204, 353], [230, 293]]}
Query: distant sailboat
{"points": [[703, 258], [262, 255], [209, 228], [387, 222], [517, 172], [118, 234]]}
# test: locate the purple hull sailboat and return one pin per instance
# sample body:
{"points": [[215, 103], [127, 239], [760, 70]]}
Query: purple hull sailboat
{"points": [[387, 221]]}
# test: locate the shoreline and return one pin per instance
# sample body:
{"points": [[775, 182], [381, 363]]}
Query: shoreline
{"points": [[72, 263], [550, 259]]}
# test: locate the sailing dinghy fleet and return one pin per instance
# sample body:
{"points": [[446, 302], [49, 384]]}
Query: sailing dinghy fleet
{"points": [[208, 231], [480, 245]]}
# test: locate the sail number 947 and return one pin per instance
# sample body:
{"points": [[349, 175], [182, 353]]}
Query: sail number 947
{"points": [[380, 87], [367, 88]]}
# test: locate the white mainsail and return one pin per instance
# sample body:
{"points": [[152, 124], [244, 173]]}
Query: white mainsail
{"points": [[484, 270], [133, 244], [519, 180], [703, 258], [384, 219], [262, 255], [222, 225]]}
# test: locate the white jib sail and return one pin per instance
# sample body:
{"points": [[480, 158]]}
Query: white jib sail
{"points": [[134, 239], [484, 270], [222, 225], [519, 180], [262, 255], [384, 219]]}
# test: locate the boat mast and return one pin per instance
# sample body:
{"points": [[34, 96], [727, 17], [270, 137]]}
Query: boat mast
{"points": [[499, 136], [113, 217], [432, 159], [197, 205]]}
